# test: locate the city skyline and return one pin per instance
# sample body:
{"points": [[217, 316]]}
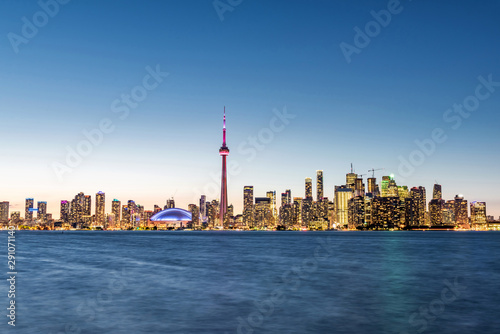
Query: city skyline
{"points": [[370, 111]]}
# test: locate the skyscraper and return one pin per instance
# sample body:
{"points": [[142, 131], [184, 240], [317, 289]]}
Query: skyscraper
{"points": [[87, 206], [28, 214], [272, 195], [417, 206], [319, 185], [342, 196], [436, 192], [100, 203], [478, 215], [223, 152], [248, 212], [115, 210], [42, 211], [4, 212], [65, 211], [461, 212], [309, 188], [372, 185], [203, 208]]}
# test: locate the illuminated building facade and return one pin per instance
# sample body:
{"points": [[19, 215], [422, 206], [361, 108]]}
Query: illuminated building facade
{"points": [[436, 212], [461, 212], [65, 212], [42, 211], [4, 212], [272, 196], [478, 215], [28, 214], [248, 207], [437, 192], [319, 185], [115, 210], [356, 212], [342, 196], [100, 205]]}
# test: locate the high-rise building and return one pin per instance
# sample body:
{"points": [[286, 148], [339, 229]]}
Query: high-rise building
{"points": [[436, 192], [4, 212], [223, 152], [42, 211], [100, 205], [297, 212], [478, 215], [195, 214], [272, 196], [170, 204], [28, 213], [115, 210], [319, 185], [417, 194], [15, 217], [359, 187], [436, 211], [342, 196], [449, 213], [461, 212], [248, 208], [372, 185], [356, 212], [203, 208], [263, 214], [65, 213], [308, 188], [307, 211], [87, 206], [126, 216]]}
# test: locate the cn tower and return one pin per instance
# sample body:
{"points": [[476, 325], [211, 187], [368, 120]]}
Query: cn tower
{"points": [[223, 152]]}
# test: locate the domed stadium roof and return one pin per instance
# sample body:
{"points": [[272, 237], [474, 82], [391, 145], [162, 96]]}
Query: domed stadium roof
{"points": [[172, 215]]}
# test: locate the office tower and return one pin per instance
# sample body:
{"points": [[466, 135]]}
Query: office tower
{"points": [[223, 152], [386, 212], [368, 209], [248, 209], [436, 211], [478, 215], [126, 216], [359, 187], [203, 208], [100, 205], [342, 196], [418, 196], [356, 212], [156, 209], [289, 196], [403, 194], [322, 209], [350, 179], [385, 186], [195, 214], [461, 213], [286, 215], [28, 213], [389, 187], [449, 213], [4, 212], [297, 212], [436, 192], [372, 185], [230, 210], [115, 210], [65, 213], [214, 214], [15, 217], [308, 188], [307, 211], [263, 215], [42, 211], [87, 206], [272, 196], [284, 199], [77, 208], [319, 185], [170, 204]]}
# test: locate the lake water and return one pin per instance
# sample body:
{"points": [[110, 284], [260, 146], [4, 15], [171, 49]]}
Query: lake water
{"points": [[254, 282]]}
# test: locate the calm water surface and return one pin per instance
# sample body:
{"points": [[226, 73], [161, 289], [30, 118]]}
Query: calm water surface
{"points": [[255, 282]]}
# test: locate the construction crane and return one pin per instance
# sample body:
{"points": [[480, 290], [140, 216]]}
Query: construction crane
{"points": [[373, 171]]}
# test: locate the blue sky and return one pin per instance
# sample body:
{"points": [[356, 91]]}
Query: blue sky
{"points": [[264, 56]]}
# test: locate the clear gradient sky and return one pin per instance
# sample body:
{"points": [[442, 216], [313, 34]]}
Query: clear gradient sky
{"points": [[263, 56]]}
